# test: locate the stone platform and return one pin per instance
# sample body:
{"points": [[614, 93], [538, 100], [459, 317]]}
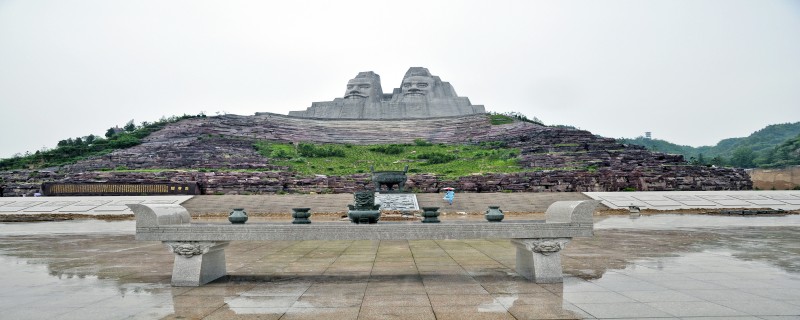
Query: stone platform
{"points": [[674, 200], [464, 202], [81, 205]]}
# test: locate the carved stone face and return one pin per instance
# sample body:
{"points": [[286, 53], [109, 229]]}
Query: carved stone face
{"points": [[359, 89], [417, 86]]}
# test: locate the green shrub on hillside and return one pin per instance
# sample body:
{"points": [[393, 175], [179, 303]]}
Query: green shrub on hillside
{"points": [[388, 148], [509, 117], [786, 154], [422, 143], [71, 150], [757, 149], [312, 151], [437, 157], [498, 119], [447, 160]]}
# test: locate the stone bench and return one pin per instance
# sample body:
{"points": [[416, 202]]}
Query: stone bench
{"points": [[199, 248]]}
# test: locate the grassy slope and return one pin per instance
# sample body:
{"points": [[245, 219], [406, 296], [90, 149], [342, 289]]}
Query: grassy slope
{"points": [[457, 160]]}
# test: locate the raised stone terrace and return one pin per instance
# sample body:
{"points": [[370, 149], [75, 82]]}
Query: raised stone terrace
{"points": [[276, 127]]}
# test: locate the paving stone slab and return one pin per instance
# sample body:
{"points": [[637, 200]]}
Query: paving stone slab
{"points": [[158, 201], [656, 201], [18, 206], [49, 206], [782, 196], [670, 200], [692, 201], [727, 201], [85, 205]]}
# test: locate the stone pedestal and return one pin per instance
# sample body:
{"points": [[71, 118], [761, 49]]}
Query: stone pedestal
{"points": [[197, 262], [539, 260]]}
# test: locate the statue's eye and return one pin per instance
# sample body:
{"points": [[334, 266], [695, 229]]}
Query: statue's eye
{"points": [[406, 85], [422, 84], [349, 86], [364, 86]]}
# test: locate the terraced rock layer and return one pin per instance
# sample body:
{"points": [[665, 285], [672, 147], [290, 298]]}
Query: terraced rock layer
{"points": [[559, 159]]}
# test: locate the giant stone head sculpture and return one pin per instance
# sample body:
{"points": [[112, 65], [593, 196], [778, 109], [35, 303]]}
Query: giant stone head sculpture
{"points": [[417, 86], [366, 85], [420, 95]]}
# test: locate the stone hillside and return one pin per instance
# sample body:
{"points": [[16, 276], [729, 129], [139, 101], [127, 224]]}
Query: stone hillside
{"points": [[227, 141], [560, 159]]}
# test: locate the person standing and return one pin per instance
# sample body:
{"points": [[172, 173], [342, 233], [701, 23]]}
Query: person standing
{"points": [[450, 196]]}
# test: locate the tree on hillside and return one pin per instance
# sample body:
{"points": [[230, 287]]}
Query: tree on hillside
{"points": [[111, 132], [129, 127], [786, 154], [757, 149], [72, 150], [743, 158]]}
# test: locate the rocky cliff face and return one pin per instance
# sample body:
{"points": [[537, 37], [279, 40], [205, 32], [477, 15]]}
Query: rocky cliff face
{"points": [[564, 159]]}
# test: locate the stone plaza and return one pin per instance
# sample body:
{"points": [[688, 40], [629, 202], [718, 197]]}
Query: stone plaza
{"points": [[667, 266]]}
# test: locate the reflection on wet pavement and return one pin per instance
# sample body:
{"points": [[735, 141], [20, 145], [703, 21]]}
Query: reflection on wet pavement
{"points": [[68, 227], [681, 268], [696, 221]]}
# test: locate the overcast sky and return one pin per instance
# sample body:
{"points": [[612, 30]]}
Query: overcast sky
{"points": [[691, 71]]}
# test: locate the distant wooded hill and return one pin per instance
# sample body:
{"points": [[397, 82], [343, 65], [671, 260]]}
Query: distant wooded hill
{"points": [[776, 145]]}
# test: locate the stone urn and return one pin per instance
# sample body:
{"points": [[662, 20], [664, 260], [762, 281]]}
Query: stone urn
{"points": [[494, 214], [301, 215], [238, 216], [431, 214]]}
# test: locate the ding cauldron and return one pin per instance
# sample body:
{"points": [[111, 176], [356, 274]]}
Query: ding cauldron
{"points": [[389, 179]]}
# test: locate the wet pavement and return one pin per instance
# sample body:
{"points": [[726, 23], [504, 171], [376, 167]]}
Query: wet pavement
{"points": [[659, 266]]}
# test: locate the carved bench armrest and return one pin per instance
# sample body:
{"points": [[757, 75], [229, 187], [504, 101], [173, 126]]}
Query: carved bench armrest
{"points": [[571, 211], [154, 215]]}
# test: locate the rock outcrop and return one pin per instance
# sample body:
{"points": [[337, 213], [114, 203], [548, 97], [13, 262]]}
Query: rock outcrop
{"points": [[205, 149]]}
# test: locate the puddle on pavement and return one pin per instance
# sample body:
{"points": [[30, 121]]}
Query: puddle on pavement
{"points": [[84, 267]]}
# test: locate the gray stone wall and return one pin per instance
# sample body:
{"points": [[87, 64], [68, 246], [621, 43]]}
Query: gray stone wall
{"points": [[776, 179], [679, 177]]}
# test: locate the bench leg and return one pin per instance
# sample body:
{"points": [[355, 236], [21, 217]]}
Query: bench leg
{"points": [[197, 262], [539, 260]]}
